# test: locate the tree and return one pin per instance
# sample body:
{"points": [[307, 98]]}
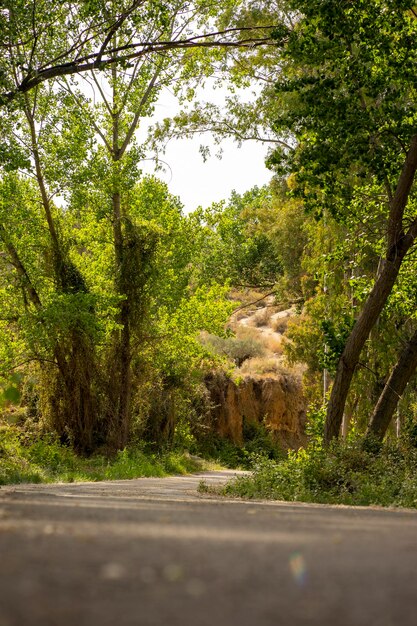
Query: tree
{"points": [[234, 246], [403, 370], [78, 37], [81, 147], [249, 109], [346, 89]]}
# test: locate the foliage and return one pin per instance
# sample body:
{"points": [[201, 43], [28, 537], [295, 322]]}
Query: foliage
{"points": [[354, 139], [256, 241], [337, 62], [258, 443], [342, 474], [233, 248], [40, 458]]}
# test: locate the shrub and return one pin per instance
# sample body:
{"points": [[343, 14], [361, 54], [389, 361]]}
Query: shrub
{"points": [[342, 474], [239, 350], [44, 459], [280, 324], [272, 343], [262, 367], [262, 317]]}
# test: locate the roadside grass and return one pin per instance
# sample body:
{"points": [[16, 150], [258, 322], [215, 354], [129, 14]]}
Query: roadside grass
{"points": [[343, 474], [44, 460]]}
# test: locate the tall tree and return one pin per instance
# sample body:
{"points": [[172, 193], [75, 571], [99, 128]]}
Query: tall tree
{"points": [[347, 91], [80, 145]]}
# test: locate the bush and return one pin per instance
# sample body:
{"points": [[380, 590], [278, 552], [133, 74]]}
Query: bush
{"points": [[258, 442], [342, 474], [24, 458], [262, 367], [262, 317], [239, 350]]}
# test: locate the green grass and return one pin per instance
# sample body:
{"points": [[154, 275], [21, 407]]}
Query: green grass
{"points": [[39, 460], [343, 474]]}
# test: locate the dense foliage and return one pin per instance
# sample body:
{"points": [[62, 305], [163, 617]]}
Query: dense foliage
{"points": [[114, 303]]}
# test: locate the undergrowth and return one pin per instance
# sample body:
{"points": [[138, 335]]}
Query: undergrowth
{"points": [[342, 474], [37, 460], [256, 439]]}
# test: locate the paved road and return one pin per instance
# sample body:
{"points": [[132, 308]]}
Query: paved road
{"points": [[151, 552]]}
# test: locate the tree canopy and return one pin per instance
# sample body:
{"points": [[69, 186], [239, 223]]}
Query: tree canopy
{"points": [[106, 284]]}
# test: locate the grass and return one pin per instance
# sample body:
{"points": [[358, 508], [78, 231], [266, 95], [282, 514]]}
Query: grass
{"points": [[343, 474], [44, 460]]}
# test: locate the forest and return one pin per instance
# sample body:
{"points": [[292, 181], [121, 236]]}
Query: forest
{"points": [[122, 316]]}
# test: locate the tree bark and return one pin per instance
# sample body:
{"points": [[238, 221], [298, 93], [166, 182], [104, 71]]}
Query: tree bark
{"points": [[403, 371], [399, 244], [356, 340]]}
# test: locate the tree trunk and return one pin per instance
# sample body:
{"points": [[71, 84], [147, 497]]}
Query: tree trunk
{"points": [[356, 340], [122, 374], [403, 371], [121, 393]]}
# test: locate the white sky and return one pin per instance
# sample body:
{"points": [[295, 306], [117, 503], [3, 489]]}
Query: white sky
{"points": [[201, 183]]}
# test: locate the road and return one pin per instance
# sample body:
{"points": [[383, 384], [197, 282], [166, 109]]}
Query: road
{"points": [[152, 552]]}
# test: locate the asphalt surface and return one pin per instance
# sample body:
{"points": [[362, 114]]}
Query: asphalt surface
{"points": [[152, 552]]}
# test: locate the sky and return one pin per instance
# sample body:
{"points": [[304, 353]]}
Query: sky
{"points": [[200, 183]]}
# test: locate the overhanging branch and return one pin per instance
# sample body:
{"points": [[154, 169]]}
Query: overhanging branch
{"points": [[124, 54]]}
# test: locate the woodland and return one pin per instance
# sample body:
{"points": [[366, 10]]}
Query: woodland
{"points": [[108, 287]]}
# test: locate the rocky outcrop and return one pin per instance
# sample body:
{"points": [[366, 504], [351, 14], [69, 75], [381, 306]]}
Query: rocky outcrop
{"points": [[276, 402]]}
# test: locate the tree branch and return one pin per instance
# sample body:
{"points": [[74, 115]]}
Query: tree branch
{"points": [[400, 198], [19, 267], [134, 51], [138, 113]]}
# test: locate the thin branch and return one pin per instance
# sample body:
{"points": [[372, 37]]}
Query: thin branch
{"points": [[138, 113], [132, 80], [37, 359], [400, 197], [364, 366], [91, 117], [19, 267], [102, 94], [116, 26], [35, 37]]}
